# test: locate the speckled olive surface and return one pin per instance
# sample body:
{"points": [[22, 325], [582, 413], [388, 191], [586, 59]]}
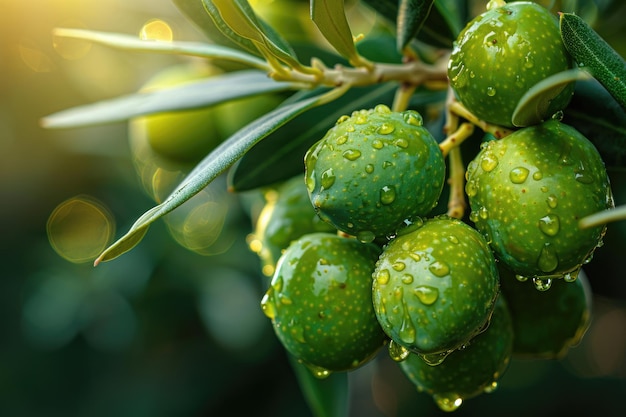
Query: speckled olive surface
{"points": [[470, 371], [434, 287], [547, 323], [503, 52], [320, 302], [527, 193], [374, 171], [286, 216]]}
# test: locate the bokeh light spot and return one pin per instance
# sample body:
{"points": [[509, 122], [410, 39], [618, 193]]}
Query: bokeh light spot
{"points": [[34, 57], [156, 30], [80, 228]]}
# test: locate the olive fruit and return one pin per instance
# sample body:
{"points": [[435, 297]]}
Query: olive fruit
{"points": [[374, 172], [527, 193], [320, 302], [469, 371], [435, 287], [547, 323], [286, 215], [502, 53]]}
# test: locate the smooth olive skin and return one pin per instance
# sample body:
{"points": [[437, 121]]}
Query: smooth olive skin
{"points": [[320, 302], [527, 193], [502, 53], [435, 287]]}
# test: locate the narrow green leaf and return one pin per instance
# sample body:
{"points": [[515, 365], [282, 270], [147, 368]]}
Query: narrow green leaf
{"points": [[226, 30], [592, 53], [330, 18], [411, 17], [241, 19], [133, 43], [195, 12], [212, 166], [535, 103], [286, 147], [193, 94], [326, 397]]}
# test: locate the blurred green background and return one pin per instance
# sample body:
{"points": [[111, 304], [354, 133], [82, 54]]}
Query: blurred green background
{"points": [[168, 331]]}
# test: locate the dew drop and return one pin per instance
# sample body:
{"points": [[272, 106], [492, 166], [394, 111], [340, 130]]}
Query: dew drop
{"points": [[473, 216], [491, 91], [471, 188], [488, 162], [549, 224], [542, 284], [268, 306], [386, 128], [434, 359], [377, 144], [387, 164], [552, 201], [518, 175], [350, 128], [439, 268], [413, 118], [415, 256], [318, 371], [491, 387], [351, 154], [369, 168], [407, 279], [365, 236], [427, 295], [387, 194], [571, 276], [529, 61], [360, 119], [382, 109], [342, 139], [277, 283], [383, 276], [588, 259], [284, 299], [328, 179], [483, 213], [453, 239], [581, 175], [565, 157], [521, 278], [548, 260], [399, 266], [537, 175], [401, 143], [407, 333], [342, 119], [297, 332], [397, 352]]}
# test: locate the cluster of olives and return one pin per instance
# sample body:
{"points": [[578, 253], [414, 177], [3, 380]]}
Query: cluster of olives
{"points": [[453, 300]]}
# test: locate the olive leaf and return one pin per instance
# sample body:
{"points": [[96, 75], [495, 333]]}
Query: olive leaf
{"points": [[326, 397], [133, 43], [196, 13], [330, 18], [237, 20], [215, 163], [594, 54], [411, 17], [190, 95], [536, 101]]}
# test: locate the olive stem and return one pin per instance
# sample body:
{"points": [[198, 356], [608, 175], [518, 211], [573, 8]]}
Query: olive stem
{"points": [[413, 73], [456, 138], [460, 110], [603, 217], [402, 97], [456, 179]]}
